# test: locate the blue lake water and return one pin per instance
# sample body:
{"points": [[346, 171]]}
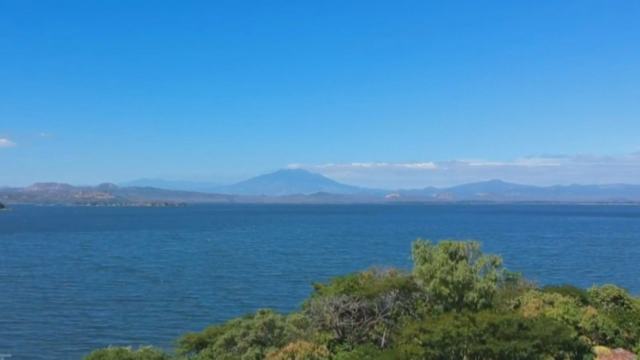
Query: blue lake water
{"points": [[75, 278]]}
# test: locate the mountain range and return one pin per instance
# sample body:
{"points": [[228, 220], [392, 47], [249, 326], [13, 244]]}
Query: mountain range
{"points": [[291, 182], [104, 195], [500, 191], [301, 186], [196, 186]]}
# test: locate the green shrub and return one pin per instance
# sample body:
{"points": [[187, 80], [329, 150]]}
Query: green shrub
{"points": [[619, 322], [369, 352], [610, 317], [300, 350], [577, 293], [489, 335], [456, 275], [127, 353], [612, 298], [509, 289], [362, 308], [249, 337]]}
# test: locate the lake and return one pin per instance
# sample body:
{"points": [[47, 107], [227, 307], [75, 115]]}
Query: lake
{"points": [[77, 278]]}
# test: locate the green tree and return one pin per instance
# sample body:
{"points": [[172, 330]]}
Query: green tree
{"points": [[456, 275], [608, 316], [362, 308], [552, 305], [489, 335], [301, 350], [619, 323], [578, 294], [248, 338], [612, 298], [127, 353], [368, 351]]}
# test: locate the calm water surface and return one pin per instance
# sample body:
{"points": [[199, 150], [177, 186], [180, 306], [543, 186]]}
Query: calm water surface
{"points": [[76, 278]]}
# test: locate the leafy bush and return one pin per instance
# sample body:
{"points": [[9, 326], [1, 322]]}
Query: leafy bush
{"points": [[619, 321], [509, 289], [489, 335], [610, 316], [369, 352], [612, 298], [301, 350], [127, 353], [553, 305], [456, 275], [362, 308], [367, 284], [580, 295], [249, 337]]}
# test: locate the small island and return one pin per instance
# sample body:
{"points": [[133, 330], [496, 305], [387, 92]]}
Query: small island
{"points": [[456, 303], [2, 206]]}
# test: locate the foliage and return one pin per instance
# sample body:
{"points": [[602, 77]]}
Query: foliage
{"points": [[367, 284], [369, 352], [608, 316], [552, 305], [362, 308], [578, 294], [456, 304], [489, 335], [456, 275], [300, 350], [619, 322], [612, 298], [249, 337], [127, 353], [510, 288]]}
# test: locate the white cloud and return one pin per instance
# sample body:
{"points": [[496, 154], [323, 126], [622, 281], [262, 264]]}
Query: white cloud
{"points": [[370, 165], [6, 143], [534, 170], [523, 162]]}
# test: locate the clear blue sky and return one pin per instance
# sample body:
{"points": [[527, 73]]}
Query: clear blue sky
{"points": [[94, 91]]}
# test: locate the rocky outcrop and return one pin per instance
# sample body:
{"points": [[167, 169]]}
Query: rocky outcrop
{"points": [[605, 353]]}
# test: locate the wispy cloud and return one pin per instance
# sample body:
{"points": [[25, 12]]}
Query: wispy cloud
{"points": [[371, 165], [522, 162], [537, 170], [6, 143]]}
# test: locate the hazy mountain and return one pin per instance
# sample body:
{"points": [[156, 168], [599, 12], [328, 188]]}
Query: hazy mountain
{"points": [[497, 190], [291, 182], [612, 192], [494, 190], [173, 185], [303, 187], [104, 194]]}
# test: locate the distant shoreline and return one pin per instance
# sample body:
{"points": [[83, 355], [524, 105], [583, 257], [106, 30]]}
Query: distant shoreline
{"points": [[283, 203]]}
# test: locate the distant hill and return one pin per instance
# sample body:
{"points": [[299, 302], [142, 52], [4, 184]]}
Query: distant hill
{"points": [[303, 187], [500, 191], [173, 185], [104, 195], [291, 182]]}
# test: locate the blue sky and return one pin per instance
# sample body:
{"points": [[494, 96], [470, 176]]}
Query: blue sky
{"points": [[95, 91]]}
